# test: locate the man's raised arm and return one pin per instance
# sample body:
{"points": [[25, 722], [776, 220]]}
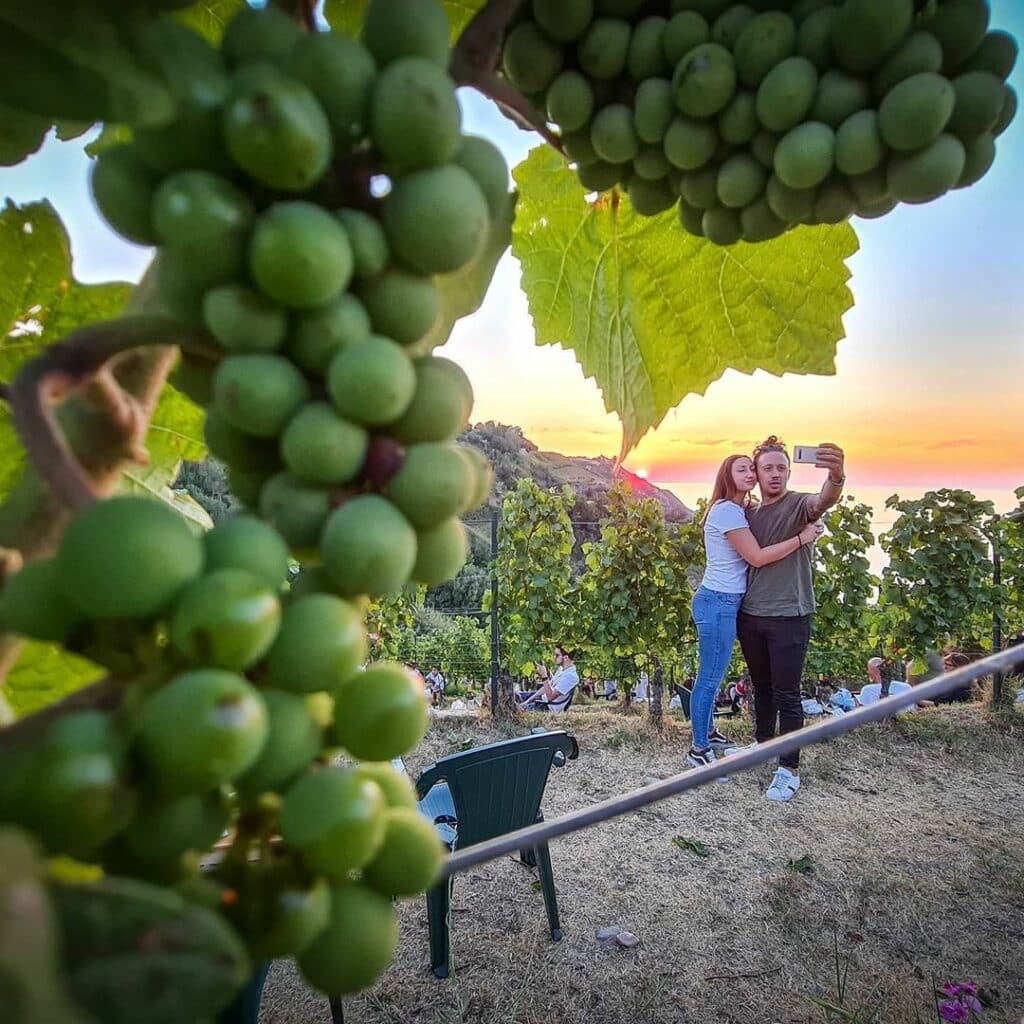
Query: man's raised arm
{"points": [[830, 457]]}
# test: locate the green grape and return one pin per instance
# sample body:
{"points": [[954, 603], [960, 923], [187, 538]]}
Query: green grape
{"points": [[192, 141], [834, 203], [356, 946], [34, 603], [340, 73], [369, 245], [201, 729], [317, 336], [726, 28], [248, 544], [645, 57], [814, 37], [258, 394], [163, 830], [191, 67], [763, 146], [276, 131], [919, 52], [409, 860], [959, 26], [225, 619], [689, 143], [123, 187], [765, 41], [300, 255], [406, 28], [321, 642], [870, 187], [839, 96], [296, 510], [319, 447], [613, 135], [243, 320], [649, 198], [700, 188], [577, 144], [996, 54], [979, 100], [602, 51], [293, 741], [371, 382], [741, 179], [247, 484], [619, 8], [859, 144], [335, 818], [784, 96], [653, 110], [441, 402], [737, 123], [433, 483], [368, 547], [486, 166], [483, 477], [722, 225], [916, 111], [805, 156], [651, 164], [530, 59], [980, 155], [926, 174], [185, 273], [601, 176], [691, 218], [313, 579], [1007, 112], [236, 449], [397, 787], [401, 305], [563, 20], [684, 31], [381, 712], [194, 377], [704, 80], [436, 220], [867, 31], [870, 211], [789, 204], [127, 558], [414, 115], [264, 34], [440, 552]]}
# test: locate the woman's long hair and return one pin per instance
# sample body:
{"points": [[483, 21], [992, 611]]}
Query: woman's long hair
{"points": [[724, 488]]}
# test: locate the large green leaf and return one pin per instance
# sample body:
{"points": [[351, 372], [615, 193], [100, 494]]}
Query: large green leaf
{"points": [[654, 314], [347, 15]]}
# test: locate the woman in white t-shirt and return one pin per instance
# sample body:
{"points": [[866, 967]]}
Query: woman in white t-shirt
{"points": [[731, 548]]}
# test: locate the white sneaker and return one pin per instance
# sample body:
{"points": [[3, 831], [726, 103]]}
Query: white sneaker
{"points": [[784, 785]]}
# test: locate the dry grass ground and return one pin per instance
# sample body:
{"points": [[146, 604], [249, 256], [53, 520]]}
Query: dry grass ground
{"points": [[914, 832]]}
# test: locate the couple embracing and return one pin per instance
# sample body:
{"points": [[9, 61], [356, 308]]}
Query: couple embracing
{"points": [[758, 585]]}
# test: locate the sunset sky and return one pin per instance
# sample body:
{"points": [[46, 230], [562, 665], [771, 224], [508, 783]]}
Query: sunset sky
{"points": [[930, 377]]}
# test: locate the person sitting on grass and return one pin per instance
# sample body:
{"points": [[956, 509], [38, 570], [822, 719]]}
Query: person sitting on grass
{"points": [[555, 692]]}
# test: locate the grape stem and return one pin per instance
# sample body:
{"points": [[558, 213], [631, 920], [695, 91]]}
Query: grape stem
{"points": [[85, 360]]}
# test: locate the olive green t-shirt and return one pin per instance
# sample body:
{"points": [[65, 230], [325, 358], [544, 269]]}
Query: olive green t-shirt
{"points": [[785, 587]]}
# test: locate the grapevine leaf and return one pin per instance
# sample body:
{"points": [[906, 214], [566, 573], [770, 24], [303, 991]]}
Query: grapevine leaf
{"points": [[463, 291], [45, 673], [347, 15], [21, 135], [654, 314], [209, 17]]}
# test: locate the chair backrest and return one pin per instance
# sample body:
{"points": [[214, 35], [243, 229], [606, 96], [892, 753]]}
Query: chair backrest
{"points": [[498, 788], [684, 699]]}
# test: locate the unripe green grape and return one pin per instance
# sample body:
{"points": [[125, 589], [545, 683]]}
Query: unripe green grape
{"points": [[440, 552], [726, 28], [398, 790], [603, 49], [267, 33], [297, 511], [258, 394], [867, 31], [409, 859], [959, 26], [34, 604], [312, 579], [651, 164], [871, 187], [859, 144], [839, 96], [432, 484], [243, 320], [1007, 112], [201, 729], [763, 146], [237, 449], [339, 71], [805, 156], [368, 547], [300, 255], [684, 31], [577, 144], [317, 336], [127, 558], [916, 111], [928, 173], [569, 100], [225, 619], [277, 132], [381, 713], [414, 115], [601, 176], [784, 96], [436, 220], [246, 485], [483, 161], [406, 28], [689, 143], [123, 188], [369, 246], [163, 830], [563, 20], [997, 54], [293, 742], [704, 80], [335, 819], [184, 274], [737, 123], [612, 134], [321, 642], [372, 382], [356, 946], [722, 226], [765, 41], [699, 188], [789, 204], [194, 377], [691, 218], [918, 53], [618, 8], [192, 141], [979, 100], [980, 155], [190, 66], [279, 911], [441, 402], [814, 38], [649, 198], [645, 57], [834, 203], [653, 109], [483, 477], [741, 179], [402, 306], [319, 447], [248, 544], [530, 59]]}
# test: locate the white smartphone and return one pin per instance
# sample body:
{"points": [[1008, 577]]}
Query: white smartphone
{"points": [[805, 453]]}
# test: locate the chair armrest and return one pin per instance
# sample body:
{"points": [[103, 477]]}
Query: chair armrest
{"points": [[428, 778]]}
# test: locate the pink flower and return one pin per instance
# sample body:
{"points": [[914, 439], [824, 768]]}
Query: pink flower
{"points": [[954, 1011]]}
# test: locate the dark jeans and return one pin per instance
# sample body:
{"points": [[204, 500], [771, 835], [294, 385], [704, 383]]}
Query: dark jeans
{"points": [[774, 648]]}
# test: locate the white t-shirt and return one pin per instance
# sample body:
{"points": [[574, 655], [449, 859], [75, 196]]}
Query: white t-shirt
{"points": [[641, 687], [564, 681], [726, 569], [872, 692]]}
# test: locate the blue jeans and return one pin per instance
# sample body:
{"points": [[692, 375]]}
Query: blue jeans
{"points": [[714, 614]]}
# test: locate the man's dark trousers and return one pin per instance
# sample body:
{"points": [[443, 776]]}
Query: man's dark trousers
{"points": [[774, 647]]}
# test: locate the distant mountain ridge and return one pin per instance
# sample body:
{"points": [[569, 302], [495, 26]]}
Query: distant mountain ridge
{"points": [[514, 456]]}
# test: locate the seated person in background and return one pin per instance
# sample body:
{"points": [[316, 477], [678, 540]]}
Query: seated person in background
{"points": [[953, 659], [882, 684], [587, 686], [641, 687], [610, 687], [554, 693]]}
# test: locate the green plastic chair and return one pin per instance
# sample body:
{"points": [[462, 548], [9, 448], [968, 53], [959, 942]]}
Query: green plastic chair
{"points": [[486, 792]]}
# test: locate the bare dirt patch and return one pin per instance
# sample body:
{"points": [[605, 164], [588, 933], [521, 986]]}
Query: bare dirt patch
{"points": [[906, 843]]}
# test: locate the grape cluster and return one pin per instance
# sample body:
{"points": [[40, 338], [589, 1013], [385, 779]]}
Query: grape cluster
{"points": [[302, 201], [755, 117], [237, 703]]}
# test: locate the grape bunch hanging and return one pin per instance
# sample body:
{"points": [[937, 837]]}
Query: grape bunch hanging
{"points": [[752, 118], [302, 201]]}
